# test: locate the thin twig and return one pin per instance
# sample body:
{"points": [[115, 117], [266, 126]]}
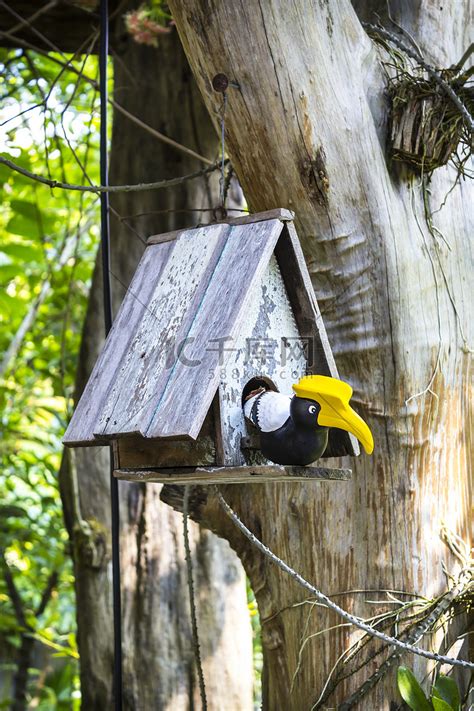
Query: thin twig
{"points": [[418, 631], [28, 320], [14, 594], [60, 259], [357, 622], [47, 592], [137, 187], [160, 136], [112, 102], [192, 600], [34, 16], [355, 650], [457, 67]]}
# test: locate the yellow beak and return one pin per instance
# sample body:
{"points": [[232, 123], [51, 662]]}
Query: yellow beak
{"points": [[333, 396]]}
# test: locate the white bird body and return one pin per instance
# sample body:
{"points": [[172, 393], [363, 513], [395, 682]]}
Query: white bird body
{"points": [[271, 410], [294, 430]]}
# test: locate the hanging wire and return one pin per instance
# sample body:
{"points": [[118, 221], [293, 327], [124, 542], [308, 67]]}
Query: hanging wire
{"points": [[192, 600], [227, 182], [107, 296], [222, 180]]}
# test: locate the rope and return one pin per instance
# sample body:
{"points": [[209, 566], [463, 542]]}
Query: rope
{"points": [[356, 621], [192, 600], [107, 296]]}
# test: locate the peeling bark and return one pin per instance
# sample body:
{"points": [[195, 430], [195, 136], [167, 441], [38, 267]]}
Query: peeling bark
{"points": [[306, 131], [158, 661]]}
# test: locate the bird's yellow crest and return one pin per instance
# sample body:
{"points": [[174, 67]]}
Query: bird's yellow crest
{"points": [[333, 396]]}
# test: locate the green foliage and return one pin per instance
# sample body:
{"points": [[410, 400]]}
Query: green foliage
{"points": [[411, 691], [60, 690], [256, 644], [444, 693], [48, 240]]}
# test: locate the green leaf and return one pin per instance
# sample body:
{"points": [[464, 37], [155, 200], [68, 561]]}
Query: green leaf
{"points": [[22, 160], [440, 705], [26, 251], [26, 208], [11, 510], [411, 692], [24, 226], [446, 689], [8, 272], [9, 305]]}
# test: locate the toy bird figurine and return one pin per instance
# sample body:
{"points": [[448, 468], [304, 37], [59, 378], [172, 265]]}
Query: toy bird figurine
{"points": [[294, 430]]}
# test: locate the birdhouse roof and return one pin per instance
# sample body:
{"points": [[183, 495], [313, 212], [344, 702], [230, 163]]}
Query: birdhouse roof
{"points": [[157, 373]]}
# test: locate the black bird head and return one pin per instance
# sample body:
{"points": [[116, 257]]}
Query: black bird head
{"points": [[304, 413], [330, 397]]}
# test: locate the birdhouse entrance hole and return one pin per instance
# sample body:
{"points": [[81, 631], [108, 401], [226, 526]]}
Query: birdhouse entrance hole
{"points": [[259, 381]]}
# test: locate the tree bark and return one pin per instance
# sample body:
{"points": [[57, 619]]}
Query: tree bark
{"points": [[20, 680], [158, 660], [306, 131]]}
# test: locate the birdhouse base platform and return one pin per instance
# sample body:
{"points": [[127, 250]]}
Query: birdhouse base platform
{"points": [[233, 475]]}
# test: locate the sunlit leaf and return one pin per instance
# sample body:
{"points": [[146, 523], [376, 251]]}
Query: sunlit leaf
{"points": [[411, 691], [34, 222], [25, 251], [440, 705]]}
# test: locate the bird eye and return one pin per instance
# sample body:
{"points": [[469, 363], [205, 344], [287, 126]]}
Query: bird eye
{"points": [[312, 409]]}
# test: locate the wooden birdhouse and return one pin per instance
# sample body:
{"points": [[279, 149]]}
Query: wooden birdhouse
{"points": [[209, 311]]}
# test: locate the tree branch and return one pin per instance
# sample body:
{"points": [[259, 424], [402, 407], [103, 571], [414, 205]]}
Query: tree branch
{"points": [[360, 624], [137, 187], [60, 258], [67, 63], [160, 136], [463, 583], [25, 325], [192, 601], [20, 679], [14, 595], [47, 592]]}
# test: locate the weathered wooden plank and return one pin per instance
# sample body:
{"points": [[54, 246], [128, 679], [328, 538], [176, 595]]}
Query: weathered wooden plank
{"points": [[147, 383], [268, 344], [158, 339], [310, 325], [303, 301], [136, 452], [218, 433], [173, 235], [89, 408], [277, 214], [220, 314], [233, 475]]}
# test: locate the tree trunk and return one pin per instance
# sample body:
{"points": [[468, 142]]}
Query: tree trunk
{"points": [[158, 660], [20, 679], [306, 130]]}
